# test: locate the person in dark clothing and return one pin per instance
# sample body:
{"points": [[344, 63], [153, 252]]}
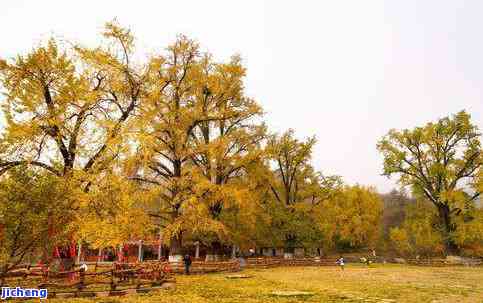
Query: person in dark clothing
{"points": [[187, 264], [110, 256]]}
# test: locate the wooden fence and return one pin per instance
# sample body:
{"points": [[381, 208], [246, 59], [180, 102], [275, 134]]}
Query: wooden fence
{"points": [[202, 267], [268, 262], [116, 279], [443, 262]]}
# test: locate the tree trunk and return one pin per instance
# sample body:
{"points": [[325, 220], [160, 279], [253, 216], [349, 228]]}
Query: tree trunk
{"points": [[290, 241], [140, 251], [79, 252], [288, 252], [99, 255], [175, 248], [160, 246], [447, 230], [197, 251], [214, 251]]}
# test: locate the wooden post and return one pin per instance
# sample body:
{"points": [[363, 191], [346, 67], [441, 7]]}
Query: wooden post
{"points": [[79, 248], [113, 284], [197, 251], [81, 279], [120, 254], [2, 280], [140, 251], [99, 255], [160, 244]]}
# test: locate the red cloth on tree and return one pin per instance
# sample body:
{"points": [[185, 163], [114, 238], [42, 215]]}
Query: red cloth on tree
{"points": [[56, 252], [72, 250]]}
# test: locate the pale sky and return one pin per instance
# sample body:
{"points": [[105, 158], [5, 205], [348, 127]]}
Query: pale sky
{"points": [[345, 71]]}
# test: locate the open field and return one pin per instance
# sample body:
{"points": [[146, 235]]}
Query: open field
{"points": [[380, 283]]}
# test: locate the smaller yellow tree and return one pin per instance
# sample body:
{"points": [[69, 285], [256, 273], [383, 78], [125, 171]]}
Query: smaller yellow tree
{"points": [[36, 214], [117, 214], [351, 218], [399, 239], [297, 190], [470, 234], [417, 234]]}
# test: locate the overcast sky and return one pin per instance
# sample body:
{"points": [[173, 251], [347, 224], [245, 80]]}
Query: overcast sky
{"points": [[346, 71]]}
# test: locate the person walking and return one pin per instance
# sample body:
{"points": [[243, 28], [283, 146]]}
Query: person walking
{"points": [[252, 252], [341, 262], [187, 264]]}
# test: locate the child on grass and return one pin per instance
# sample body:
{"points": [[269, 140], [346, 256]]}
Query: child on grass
{"points": [[341, 262]]}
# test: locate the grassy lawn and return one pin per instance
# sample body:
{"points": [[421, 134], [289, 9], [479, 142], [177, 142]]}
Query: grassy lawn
{"points": [[380, 283]]}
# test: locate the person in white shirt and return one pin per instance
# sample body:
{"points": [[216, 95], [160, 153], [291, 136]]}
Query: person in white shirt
{"points": [[83, 267], [341, 262]]}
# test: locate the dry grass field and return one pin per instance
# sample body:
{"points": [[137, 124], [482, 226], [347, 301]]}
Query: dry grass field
{"points": [[379, 283]]}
